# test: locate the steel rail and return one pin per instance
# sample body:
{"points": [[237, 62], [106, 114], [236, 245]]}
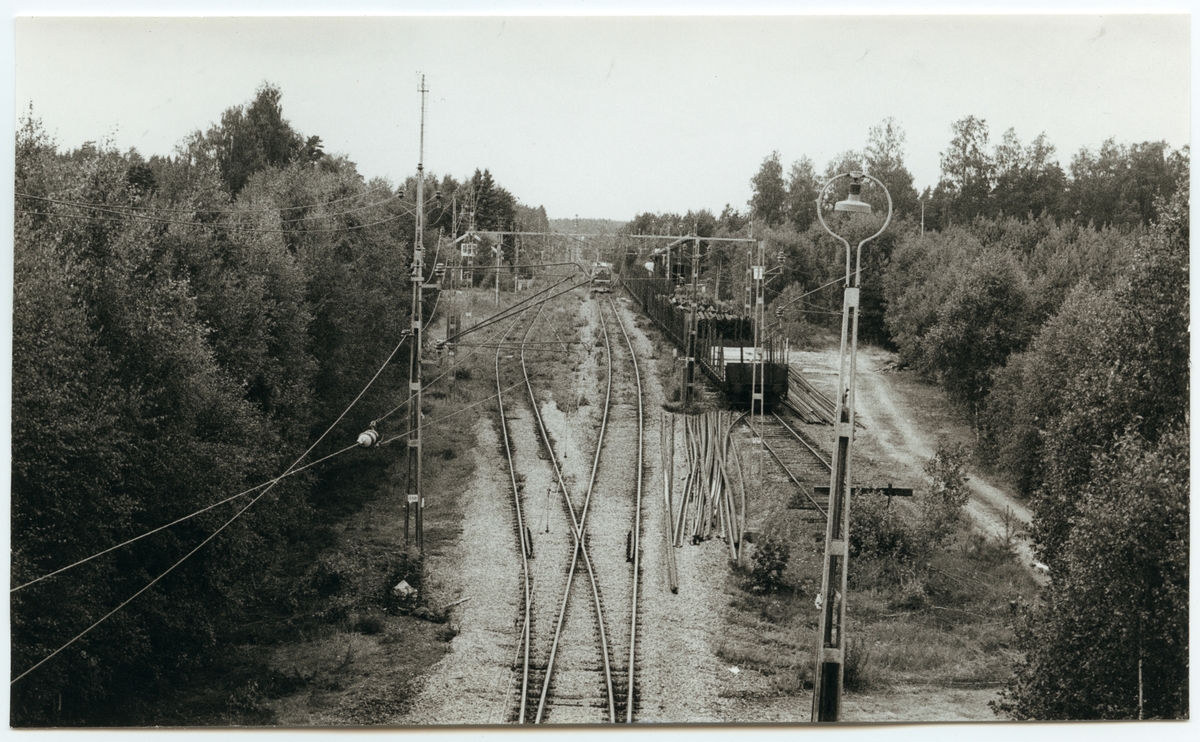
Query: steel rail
{"points": [[828, 464], [775, 455], [512, 474], [637, 521], [578, 524]]}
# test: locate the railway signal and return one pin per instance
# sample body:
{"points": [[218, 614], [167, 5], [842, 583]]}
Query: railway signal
{"points": [[831, 637]]}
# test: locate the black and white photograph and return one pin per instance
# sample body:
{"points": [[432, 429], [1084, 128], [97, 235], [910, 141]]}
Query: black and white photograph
{"points": [[578, 365]]}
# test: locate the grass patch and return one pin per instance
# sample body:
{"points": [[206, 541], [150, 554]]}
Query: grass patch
{"points": [[946, 621], [768, 633]]}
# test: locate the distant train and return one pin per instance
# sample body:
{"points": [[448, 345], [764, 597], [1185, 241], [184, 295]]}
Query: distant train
{"points": [[602, 278]]}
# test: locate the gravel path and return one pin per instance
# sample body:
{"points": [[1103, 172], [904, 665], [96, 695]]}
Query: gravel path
{"points": [[679, 674], [469, 685], [679, 677]]}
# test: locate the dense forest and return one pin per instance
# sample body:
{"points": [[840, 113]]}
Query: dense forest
{"points": [[1053, 306], [185, 329]]}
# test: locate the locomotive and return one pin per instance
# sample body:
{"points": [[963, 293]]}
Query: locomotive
{"points": [[601, 278]]}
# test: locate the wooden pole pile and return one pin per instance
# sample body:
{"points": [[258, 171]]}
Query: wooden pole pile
{"points": [[707, 506], [811, 405], [667, 447]]}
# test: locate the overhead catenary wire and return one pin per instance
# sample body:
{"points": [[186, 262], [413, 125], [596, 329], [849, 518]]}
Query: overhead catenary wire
{"points": [[834, 282], [430, 423], [181, 519], [499, 316], [444, 418], [437, 299], [291, 471], [440, 376], [118, 214], [149, 585], [224, 525]]}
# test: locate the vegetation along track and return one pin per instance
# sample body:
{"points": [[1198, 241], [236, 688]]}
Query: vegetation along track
{"points": [[558, 676]]}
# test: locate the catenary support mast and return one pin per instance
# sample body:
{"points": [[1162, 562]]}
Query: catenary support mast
{"points": [[415, 503]]}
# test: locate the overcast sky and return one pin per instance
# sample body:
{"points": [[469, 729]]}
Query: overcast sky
{"points": [[612, 116]]}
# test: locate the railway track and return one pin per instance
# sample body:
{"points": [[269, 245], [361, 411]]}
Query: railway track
{"points": [[634, 549], [524, 537], [565, 669], [795, 460]]}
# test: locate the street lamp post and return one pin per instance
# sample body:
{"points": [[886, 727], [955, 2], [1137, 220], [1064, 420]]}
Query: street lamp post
{"points": [[831, 601]]}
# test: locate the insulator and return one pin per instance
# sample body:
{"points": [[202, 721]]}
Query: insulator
{"points": [[368, 438]]}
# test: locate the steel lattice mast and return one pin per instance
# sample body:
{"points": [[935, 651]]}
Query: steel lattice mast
{"points": [[415, 501]]}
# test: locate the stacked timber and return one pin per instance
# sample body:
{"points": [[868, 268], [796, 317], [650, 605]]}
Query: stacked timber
{"points": [[712, 500], [809, 404]]}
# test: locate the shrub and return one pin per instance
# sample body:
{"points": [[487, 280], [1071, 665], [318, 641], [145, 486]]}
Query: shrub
{"points": [[942, 503], [856, 670], [912, 597], [877, 530], [369, 624], [447, 632], [769, 564]]}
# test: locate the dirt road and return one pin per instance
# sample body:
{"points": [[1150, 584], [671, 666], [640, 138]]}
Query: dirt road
{"points": [[904, 419]]}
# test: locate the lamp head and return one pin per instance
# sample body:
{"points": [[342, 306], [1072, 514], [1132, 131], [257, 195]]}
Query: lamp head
{"points": [[854, 203]]}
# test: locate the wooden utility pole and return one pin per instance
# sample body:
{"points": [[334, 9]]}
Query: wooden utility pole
{"points": [[415, 504]]}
